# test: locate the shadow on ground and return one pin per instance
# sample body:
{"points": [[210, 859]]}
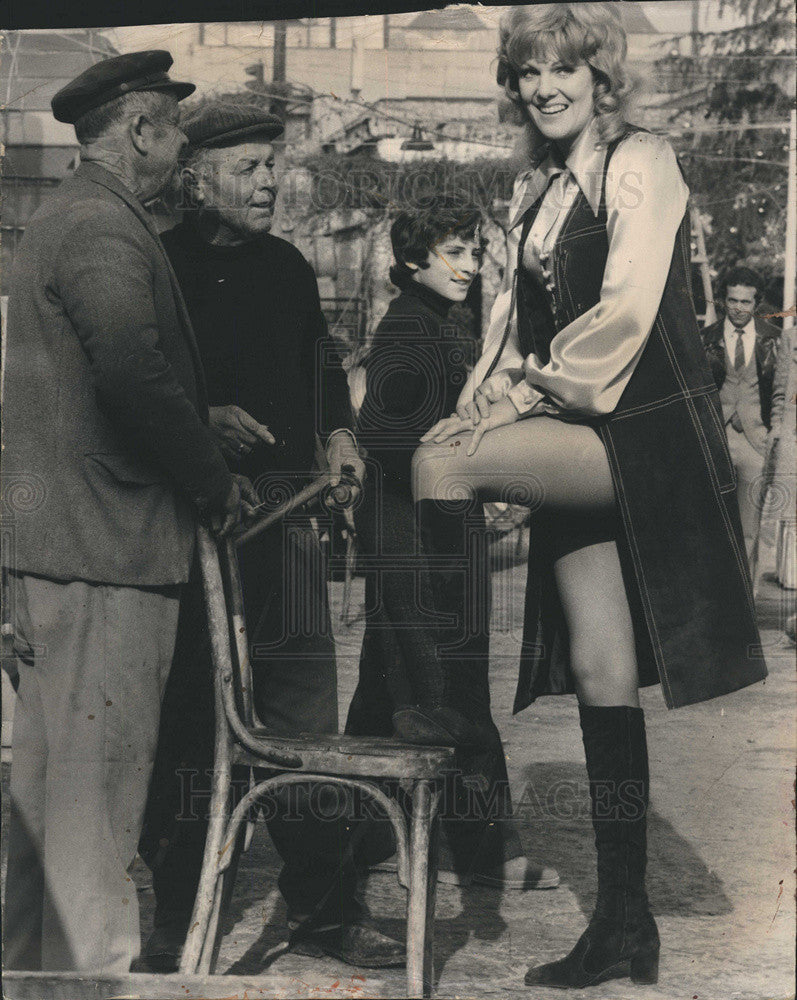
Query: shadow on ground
{"points": [[553, 809]]}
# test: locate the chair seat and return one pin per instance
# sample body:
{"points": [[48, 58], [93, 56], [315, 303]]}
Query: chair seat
{"points": [[354, 756]]}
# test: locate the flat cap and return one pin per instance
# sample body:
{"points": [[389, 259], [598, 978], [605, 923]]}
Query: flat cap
{"points": [[221, 123], [111, 78]]}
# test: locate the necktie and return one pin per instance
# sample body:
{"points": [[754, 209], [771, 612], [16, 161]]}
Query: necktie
{"points": [[738, 358]]}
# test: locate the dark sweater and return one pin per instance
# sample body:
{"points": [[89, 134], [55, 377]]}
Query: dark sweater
{"points": [[415, 371], [264, 342]]}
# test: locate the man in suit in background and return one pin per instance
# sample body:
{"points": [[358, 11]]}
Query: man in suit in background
{"points": [[741, 349], [106, 425]]}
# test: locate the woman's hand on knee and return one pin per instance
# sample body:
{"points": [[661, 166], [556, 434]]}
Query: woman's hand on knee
{"points": [[491, 390], [500, 413], [495, 415], [447, 427]]}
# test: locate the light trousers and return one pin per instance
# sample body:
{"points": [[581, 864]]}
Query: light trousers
{"points": [[749, 464], [93, 662]]}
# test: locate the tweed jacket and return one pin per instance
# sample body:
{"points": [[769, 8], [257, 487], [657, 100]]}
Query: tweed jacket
{"points": [[106, 443], [766, 350]]}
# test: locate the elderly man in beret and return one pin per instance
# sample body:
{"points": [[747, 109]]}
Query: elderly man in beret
{"points": [[106, 423], [275, 386]]}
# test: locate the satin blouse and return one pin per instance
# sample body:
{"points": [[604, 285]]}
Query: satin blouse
{"points": [[592, 358]]}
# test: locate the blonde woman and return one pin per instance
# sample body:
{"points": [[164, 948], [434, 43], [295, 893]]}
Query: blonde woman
{"points": [[593, 403]]}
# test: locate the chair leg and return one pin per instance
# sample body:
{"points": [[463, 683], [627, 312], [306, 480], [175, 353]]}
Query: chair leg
{"points": [[207, 895], [210, 944], [422, 891], [210, 878], [221, 903]]}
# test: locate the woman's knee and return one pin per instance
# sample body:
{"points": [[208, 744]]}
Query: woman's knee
{"points": [[438, 472], [603, 673], [588, 665]]}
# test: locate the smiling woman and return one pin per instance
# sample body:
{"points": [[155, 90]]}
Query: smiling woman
{"points": [[552, 37], [593, 398]]}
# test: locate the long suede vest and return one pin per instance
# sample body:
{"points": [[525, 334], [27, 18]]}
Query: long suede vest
{"points": [[680, 541]]}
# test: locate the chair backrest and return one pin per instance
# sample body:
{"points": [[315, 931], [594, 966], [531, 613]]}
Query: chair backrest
{"points": [[239, 643], [221, 584], [229, 649]]}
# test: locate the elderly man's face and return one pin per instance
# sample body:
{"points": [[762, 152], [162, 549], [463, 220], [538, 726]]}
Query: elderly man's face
{"points": [[238, 187]]}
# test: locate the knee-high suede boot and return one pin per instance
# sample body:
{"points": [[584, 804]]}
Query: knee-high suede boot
{"points": [[621, 939]]}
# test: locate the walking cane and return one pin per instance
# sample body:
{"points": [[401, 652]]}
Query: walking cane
{"points": [[339, 496]]}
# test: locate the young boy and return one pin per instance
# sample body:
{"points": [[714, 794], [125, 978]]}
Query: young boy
{"points": [[425, 656]]}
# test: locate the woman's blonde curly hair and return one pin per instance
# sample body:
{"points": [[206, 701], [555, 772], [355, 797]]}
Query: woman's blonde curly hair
{"points": [[573, 33]]}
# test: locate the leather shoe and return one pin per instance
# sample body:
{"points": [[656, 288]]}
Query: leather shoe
{"points": [[164, 948], [355, 944]]}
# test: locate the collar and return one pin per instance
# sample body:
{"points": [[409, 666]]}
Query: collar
{"points": [[187, 233], [102, 175], [434, 300], [747, 330], [585, 162]]}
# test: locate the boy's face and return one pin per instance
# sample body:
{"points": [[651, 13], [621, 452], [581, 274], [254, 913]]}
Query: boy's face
{"points": [[453, 264]]}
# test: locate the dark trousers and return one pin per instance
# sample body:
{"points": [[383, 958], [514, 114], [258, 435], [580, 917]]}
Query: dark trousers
{"points": [[427, 633], [283, 578]]}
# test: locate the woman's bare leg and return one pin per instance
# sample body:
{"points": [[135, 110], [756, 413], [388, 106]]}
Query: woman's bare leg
{"points": [[559, 468], [539, 462], [602, 649]]}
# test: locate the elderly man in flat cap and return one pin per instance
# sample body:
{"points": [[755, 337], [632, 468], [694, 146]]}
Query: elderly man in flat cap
{"points": [[106, 433], [274, 385]]}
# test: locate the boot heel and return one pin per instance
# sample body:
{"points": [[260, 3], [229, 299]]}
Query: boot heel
{"points": [[645, 967]]}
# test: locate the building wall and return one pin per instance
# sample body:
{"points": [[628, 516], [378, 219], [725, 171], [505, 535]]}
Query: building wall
{"points": [[386, 74]]}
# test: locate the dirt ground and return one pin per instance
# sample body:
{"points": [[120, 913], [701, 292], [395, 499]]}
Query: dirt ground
{"points": [[722, 857]]}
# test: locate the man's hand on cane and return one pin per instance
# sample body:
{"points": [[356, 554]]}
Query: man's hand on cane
{"points": [[342, 455], [238, 507]]}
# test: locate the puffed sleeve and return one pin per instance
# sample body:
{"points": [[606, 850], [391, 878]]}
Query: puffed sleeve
{"points": [[593, 357]]}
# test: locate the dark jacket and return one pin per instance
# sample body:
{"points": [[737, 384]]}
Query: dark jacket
{"points": [[415, 371], [106, 441], [766, 349], [264, 342], [681, 543]]}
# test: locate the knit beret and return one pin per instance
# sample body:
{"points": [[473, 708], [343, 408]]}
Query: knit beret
{"points": [[220, 123], [111, 78]]}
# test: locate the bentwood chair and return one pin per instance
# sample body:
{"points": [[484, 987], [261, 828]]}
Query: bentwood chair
{"points": [[352, 762]]}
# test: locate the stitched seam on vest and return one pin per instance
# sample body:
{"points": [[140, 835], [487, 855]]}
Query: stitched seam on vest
{"points": [[588, 231], [561, 260], [714, 479], [713, 476], [640, 576], [715, 482], [686, 260], [675, 397]]}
